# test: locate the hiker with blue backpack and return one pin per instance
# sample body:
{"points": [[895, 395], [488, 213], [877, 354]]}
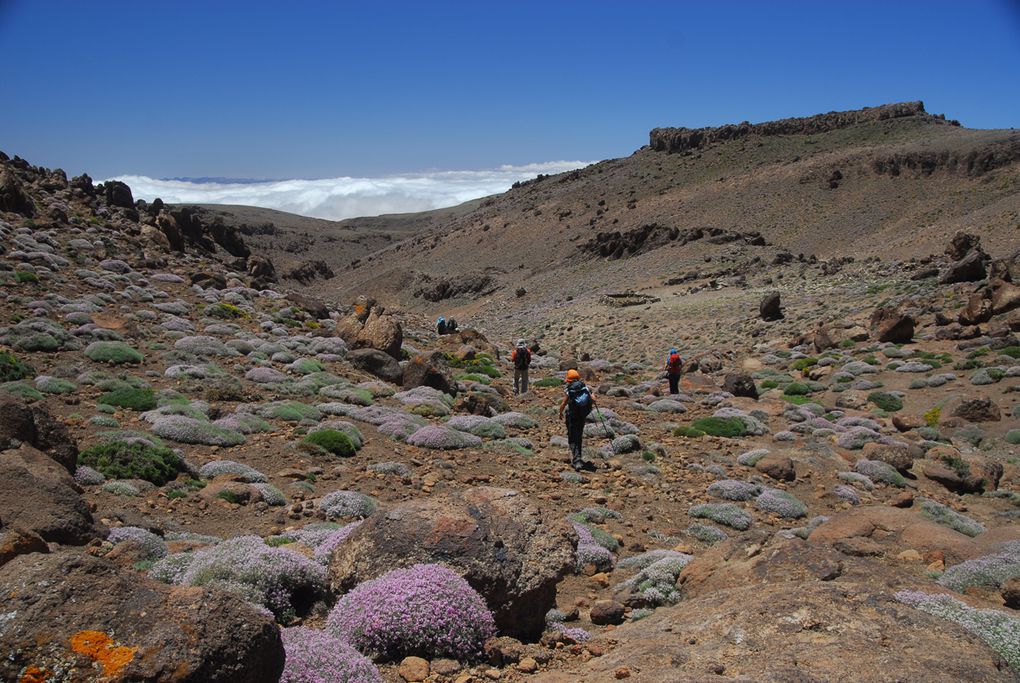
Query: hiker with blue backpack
{"points": [[578, 403], [674, 368]]}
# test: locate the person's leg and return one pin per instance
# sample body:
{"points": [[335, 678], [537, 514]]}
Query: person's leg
{"points": [[524, 381], [674, 384], [517, 381]]}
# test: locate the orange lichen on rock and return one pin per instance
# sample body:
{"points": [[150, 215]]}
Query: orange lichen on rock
{"points": [[101, 648], [34, 674]]}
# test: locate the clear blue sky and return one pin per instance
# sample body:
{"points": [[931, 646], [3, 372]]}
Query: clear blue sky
{"points": [[307, 89]]}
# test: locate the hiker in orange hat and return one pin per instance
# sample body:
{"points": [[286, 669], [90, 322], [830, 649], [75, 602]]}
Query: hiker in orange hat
{"points": [[577, 402]]}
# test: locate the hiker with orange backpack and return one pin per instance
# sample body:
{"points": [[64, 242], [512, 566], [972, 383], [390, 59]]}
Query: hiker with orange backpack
{"points": [[521, 358], [674, 368], [578, 403]]}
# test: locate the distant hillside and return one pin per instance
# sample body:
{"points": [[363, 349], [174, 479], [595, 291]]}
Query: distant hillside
{"points": [[891, 181]]}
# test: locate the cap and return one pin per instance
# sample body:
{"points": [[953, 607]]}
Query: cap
{"points": [[572, 375]]}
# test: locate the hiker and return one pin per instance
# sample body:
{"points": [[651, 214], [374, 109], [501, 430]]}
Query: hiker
{"points": [[674, 366], [451, 326], [578, 402], [441, 326], [521, 358]]}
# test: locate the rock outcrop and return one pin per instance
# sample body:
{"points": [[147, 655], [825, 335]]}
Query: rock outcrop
{"points": [[495, 538], [77, 617]]}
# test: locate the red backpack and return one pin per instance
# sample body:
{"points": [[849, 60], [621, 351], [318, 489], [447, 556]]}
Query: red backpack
{"points": [[674, 364]]}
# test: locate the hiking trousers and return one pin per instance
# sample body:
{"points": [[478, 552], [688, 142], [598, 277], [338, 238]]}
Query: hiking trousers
{"points": [[575, 432], [520, 381], [674, 384]]}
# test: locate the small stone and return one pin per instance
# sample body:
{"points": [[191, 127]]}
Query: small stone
{"points": [[909, 555], [902, 500], [445, 666], [493, 674], [621, 673], [600, 579], [607, 612], [527, 665], [414, 669], [594, 650]]}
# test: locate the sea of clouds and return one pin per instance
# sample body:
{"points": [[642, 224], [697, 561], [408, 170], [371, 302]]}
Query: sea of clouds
{"points": [[339, 198]]}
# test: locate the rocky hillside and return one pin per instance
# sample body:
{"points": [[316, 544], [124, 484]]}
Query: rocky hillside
{"points": [[206, 475]]}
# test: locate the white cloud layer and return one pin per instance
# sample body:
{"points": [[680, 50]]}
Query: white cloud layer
{"points": [[339, 198]]}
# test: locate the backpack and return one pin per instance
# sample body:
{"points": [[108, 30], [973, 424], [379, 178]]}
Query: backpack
{"points": [[579, 399], [522, 357], [674, 364]]}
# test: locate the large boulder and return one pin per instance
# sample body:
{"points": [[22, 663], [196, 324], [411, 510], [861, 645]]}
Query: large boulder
{"points": [[118, 194], [1005, 297], [977, 410], [770, 308], [372, 328], [889, 324], [12, 195], [430, 370], [978, 309], [889, 530], [831, 336], [24, 423], [497, 539], [377, 363], [309, 304], [970, 268], [740, 385], [74, 617], [789, 632], [961, 244], [39, 496]]}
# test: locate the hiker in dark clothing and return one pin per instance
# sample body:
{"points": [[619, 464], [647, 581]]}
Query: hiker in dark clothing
{"points": [[577, 401], [674, 367], [441, 326], [521, 358]]}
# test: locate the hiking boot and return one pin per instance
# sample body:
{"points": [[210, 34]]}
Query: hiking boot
{"points": [[583, 466]]}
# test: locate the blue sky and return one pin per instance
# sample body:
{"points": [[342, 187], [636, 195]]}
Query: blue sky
{"points": [[317, 90]]}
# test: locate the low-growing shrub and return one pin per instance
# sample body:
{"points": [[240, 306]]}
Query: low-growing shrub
{"points": [[942, 514], [728, 427], [113, 352], [886, 401], [314, 656], [281, 580], [688, 432], [121, 460], [132, 399], [797, 389], [876, 470], [780, 502], [332, 441], [12, 369], [723, 513], [347, 505], [190, 430], [425, 610], [154, 546], [656, 581], [218, 468], [548, 382]]}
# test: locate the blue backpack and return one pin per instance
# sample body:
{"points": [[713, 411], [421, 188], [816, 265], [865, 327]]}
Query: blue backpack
{"points": [[579, 399]]}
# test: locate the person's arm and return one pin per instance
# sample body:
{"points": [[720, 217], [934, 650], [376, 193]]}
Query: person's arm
{"points": [[563, 405]]}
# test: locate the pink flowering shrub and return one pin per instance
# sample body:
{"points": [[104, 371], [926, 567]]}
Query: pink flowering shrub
{"points": [[398, 429], [425, 610], [589, 551], [315, 656], [347, 504], [281, 580], [153, 545], [443, 438]]}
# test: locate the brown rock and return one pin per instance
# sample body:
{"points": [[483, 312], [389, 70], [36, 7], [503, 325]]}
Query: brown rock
{"points": [[496, 538], [769, 308], [1005, 297], [381, 332], [900, 457], [1011, 593], [414, 669], [740, 385], [961, 244], [978, 410], [889, 324], [67, 605], [430, 370], [39, 496], [978, 309], [607, 612], [903, 499], [773, 632], [906, 423], [309, 304], [377, 363], [527, 665], [778, 467], [970, 268], [20, 422], [14, 542]]}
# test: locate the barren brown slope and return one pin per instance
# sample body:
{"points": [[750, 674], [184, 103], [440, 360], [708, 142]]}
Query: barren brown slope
{"points": [[891, 187]]}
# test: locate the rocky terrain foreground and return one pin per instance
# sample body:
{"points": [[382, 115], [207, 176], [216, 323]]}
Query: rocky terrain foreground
{"points": [[208, 476]]}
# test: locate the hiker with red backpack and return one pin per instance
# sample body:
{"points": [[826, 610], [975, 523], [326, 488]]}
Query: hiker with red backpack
{"points": [[578, 403], [521, 358], [674, 368]]}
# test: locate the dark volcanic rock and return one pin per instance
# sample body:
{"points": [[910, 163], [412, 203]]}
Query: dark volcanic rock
{"points": [[469, 284], [309, 304], [978, 410], [970, 268], [961, 244], [38, 495], [12, 195], [769, 308], [118, 194], [261, 270], [79, 615], [740, 385], [308, 271], [495, 538], [20, 422], [889, 324], [376, 362], [430, 370]]}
